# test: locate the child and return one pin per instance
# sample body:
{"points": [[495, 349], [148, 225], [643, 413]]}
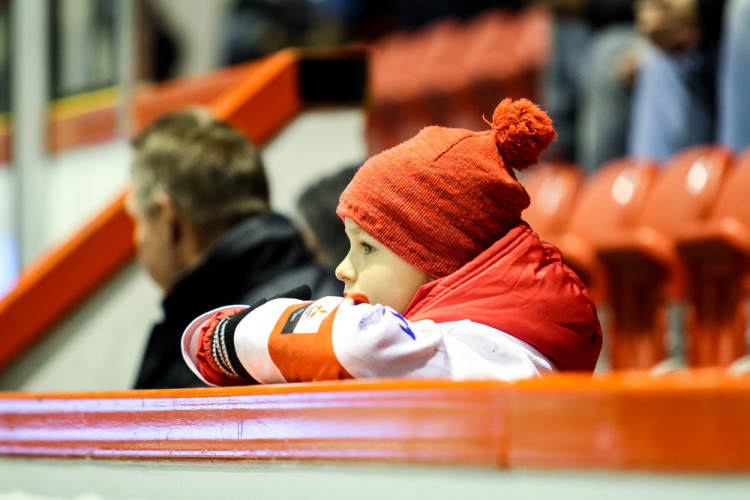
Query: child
{"points": [[443, 278]]}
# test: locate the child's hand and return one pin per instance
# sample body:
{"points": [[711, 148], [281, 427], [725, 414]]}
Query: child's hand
{"points": [[214, 353], [214, 362]]}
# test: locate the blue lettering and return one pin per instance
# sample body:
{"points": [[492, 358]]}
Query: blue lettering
{"points": [[404, 325]]}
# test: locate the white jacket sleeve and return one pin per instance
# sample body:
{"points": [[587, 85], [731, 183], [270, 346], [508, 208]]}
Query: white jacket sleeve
{"points": [[287, 340]]}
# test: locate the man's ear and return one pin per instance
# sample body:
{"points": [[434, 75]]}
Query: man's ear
{"points": [[171, 221]]}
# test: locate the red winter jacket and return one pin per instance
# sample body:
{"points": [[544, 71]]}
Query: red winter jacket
{"points": [[520, 286]]}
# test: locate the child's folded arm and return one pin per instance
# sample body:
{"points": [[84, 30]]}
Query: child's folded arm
{"points": [[288, 340], [374, 341]]}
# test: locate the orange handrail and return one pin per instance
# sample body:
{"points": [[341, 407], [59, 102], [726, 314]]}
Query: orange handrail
{"points": [[258, 98], [151, 102], [691, 421], [264, 103]]}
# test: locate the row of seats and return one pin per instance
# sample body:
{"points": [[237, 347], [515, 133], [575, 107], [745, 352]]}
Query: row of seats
{"points": [[644, 236], [452, 72]]}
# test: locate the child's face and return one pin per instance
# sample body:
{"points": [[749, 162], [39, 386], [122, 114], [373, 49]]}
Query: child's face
{"points": [[372, 269]]}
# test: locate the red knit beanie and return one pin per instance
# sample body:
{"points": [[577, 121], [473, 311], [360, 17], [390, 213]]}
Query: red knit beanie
{"points": [[442, 197]]}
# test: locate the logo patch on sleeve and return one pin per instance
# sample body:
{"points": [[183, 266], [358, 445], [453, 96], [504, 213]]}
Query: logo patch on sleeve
{"points": [[294, 318], [308, 317]]}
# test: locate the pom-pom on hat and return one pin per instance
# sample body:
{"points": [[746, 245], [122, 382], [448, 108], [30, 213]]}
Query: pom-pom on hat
{"points": [[442, 197]]}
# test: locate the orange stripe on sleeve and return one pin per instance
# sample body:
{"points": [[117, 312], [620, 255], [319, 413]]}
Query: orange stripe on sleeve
{"points": [[305, 356]]}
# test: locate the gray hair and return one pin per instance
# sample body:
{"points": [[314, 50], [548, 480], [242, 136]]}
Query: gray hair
{"points": [[211, 172]]}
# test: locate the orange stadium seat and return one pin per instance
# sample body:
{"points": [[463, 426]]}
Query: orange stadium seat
{"points": [[553, 188], [508, 52], [395, 110], [453, 72], [716, 253], [445, 82], [641, 264], [609, 199]]}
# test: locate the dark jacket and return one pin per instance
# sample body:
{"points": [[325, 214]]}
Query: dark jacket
{"points": [[262, 257], [606, 12], [711, 13]]}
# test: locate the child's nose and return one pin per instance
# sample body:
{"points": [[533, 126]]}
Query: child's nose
{"points": [[345, 271]]}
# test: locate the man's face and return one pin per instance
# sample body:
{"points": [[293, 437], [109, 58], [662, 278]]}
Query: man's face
{"points": [[154, 241], [374, 270]]}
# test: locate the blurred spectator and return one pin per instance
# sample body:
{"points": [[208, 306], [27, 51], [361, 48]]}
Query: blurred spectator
{"points": [[255, 28], [158, 48], [205, 233], [587, 84], [734, 77], [692, 87], [323, 229], [674, 104]]}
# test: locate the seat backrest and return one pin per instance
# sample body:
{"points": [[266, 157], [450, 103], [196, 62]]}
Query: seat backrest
{"points": [[733, 198], [612, 197], [553, 188], [687, 189]]}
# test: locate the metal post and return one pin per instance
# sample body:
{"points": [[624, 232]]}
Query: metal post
{"points": [[29, 95], [125, 54]]}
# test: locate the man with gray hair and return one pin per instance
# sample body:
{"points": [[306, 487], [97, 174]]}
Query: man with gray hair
{"points": [[206, 234]]}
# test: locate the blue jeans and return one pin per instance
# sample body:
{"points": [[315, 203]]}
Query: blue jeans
{"points": [[673, 103], [734, 74]]}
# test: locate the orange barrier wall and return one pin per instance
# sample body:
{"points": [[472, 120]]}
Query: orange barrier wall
{"points": [[691, 421], [63, 277]]}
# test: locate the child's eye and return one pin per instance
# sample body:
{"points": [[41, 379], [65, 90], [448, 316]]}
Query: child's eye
{"points": [[367, 248]]}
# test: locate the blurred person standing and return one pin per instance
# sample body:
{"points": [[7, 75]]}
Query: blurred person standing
{"points": [[206, 234], [587, 83], [256, 28], [676, 90], [733, 127]]}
